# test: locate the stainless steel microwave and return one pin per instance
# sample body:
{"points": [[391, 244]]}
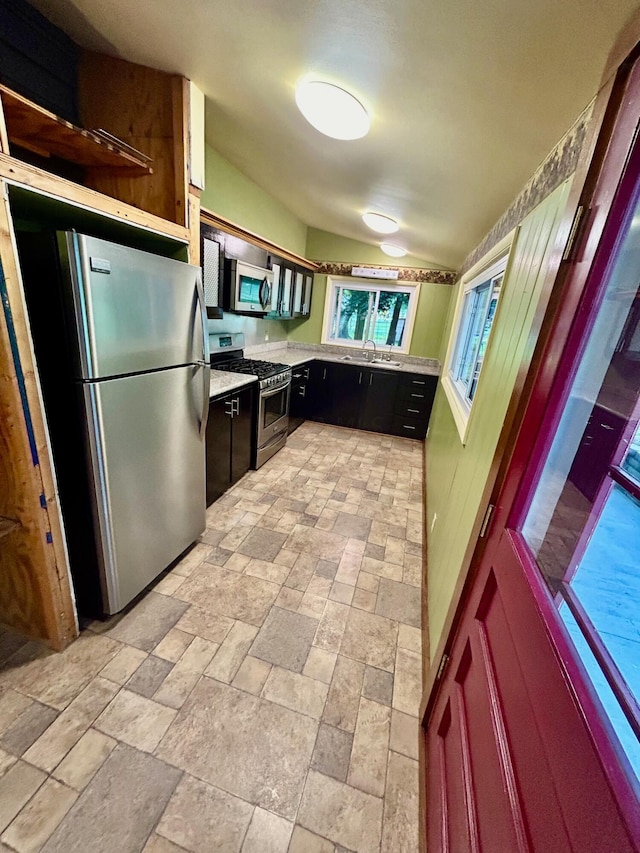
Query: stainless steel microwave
{"points": [[247, 287]]}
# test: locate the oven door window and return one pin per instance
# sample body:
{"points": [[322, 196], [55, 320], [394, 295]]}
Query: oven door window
{"points": [[249, 289], [274, 407]]}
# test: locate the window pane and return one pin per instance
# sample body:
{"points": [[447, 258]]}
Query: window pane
{"points": [[390, 319], [584, 529], [631, 462], [359, 314], [484, 338], [607, 582], [626, 736], [478, 305], [351, 314], [600, 406]]}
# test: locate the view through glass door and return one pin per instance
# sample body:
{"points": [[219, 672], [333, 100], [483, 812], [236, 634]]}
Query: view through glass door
{"points": [[582, 524]]}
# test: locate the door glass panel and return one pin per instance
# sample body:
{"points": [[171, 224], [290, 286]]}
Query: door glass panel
{"points": [[631, 461], [583, 522], [623, 731]]}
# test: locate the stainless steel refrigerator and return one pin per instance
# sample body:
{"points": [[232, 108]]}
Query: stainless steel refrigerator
{"points": [[122, 348]]}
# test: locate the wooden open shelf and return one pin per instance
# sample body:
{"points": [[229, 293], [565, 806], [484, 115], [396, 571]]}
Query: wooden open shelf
{"points": [[42, 132]]}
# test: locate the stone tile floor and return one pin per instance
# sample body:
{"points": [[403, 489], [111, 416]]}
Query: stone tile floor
{"points": [[261, 698]]}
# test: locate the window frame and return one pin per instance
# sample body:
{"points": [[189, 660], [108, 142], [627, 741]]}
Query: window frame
{"points": [[370, 284], [483, 272]]}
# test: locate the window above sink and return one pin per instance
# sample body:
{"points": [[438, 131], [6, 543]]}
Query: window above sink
{"points": [[361, 310]]}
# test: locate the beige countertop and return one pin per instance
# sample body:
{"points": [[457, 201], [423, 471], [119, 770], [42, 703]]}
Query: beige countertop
{"points": [[222, 381], [298, 354]]}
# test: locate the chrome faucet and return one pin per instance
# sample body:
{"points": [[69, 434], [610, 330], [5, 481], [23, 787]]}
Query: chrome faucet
{"points": [[369, 341]]}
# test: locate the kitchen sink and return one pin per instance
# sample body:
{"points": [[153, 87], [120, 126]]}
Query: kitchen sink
{"points": [[362, 360]]}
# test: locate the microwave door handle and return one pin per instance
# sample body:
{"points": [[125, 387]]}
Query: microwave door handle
{"points": [[265, 292]]}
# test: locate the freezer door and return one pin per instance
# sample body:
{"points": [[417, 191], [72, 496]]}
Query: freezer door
{"points": [[132, 311], [147, 473]]}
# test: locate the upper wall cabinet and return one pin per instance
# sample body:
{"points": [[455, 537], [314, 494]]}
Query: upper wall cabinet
{"points": [[135, 139], [302, 290], [150, 111], [290, 295], [292, 288]]}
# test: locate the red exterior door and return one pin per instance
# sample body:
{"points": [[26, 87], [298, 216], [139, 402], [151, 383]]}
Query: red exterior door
{"points": [[512, 763], [532, 737]]}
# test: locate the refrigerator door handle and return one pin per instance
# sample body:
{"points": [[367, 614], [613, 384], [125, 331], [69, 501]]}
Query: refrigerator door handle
{"points": [[204, 414], [206, 354], [204, 361]]}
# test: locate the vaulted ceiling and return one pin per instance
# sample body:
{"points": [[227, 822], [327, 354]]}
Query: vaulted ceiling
{"points": [[466, 97]]}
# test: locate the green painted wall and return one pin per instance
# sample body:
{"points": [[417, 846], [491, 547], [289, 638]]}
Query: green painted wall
{"points": [[231, 194], [457, 475], [324, 246], [433, 304]]}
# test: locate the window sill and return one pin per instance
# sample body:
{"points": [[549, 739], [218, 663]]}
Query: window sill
{"points": [[461, 415]]}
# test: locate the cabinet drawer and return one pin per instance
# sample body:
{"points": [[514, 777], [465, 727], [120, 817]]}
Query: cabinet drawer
{"points": [[414, 394], [412, 407], [415, 381], [409, 427], [300, 374]]}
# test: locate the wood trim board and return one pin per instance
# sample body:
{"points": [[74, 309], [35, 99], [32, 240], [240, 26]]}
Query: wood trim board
{"points": [[226, 225]]}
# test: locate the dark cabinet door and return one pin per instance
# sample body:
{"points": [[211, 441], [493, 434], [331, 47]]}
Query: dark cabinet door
{"points": [[300, 396], [345, 392], [380, 387], [218, 448], [591, 463], [242, 432], [316, 394]]}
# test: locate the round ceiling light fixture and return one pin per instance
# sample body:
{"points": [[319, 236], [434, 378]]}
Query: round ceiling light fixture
{"points": [[332, 110], [380, 223], [393, 251]]}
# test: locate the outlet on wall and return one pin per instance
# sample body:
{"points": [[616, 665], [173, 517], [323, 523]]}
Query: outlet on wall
{"points": [[433, 522]]}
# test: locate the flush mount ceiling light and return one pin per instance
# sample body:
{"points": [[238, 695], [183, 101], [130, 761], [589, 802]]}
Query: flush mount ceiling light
{"points": [[380, 223], [393, 251], [332, 110]]}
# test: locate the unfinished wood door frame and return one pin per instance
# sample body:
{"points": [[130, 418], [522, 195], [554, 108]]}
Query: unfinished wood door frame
{"points": [[35, 588]]}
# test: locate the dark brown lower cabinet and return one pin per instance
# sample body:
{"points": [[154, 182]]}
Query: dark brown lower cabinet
{"points": [[377, 409], [370, 398], [229, 440], [298, 402]]}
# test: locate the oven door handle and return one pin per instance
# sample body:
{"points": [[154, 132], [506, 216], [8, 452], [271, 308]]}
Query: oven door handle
{"points": [[272, 392]]}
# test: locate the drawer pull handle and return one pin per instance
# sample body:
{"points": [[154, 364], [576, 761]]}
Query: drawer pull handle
{"points": [[418, 382], [414, 411], [419, 396], [406, 426]]}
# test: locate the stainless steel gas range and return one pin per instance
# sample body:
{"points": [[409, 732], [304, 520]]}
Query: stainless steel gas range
{"points": [[274, 388]]}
